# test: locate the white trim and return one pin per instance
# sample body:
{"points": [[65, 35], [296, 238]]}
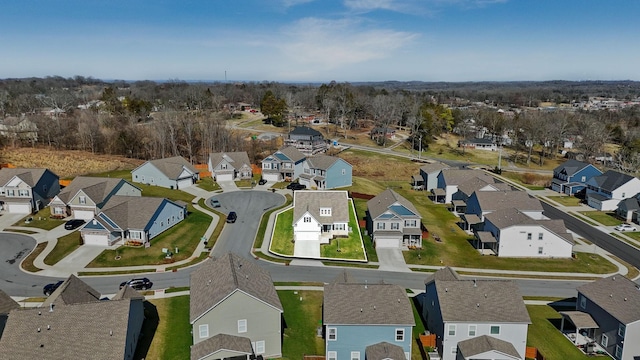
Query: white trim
{"points": [[399, 333], [355, 355], [335, 333], [203, 331], [226, 297], [242, 326]]}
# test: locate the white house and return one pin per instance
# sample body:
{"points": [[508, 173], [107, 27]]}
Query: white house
{"points": [[605, 192], [320, 215], [230, 166]]}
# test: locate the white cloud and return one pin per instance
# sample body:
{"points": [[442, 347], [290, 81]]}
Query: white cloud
{"points": [[290, 3], [368, 5]]}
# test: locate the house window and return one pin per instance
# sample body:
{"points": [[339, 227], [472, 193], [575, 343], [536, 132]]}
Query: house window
{"points": [[618, 351], [583, 179], [203, 331], [495, 330], [454, 349], [540, 250], [242, 326], [472, 330], [23, 192], [399, 334], [332, 355], [355, 355], [344, 171], [528, 236], [11, 192], [307, 219], [44, 188], [135, 234], [621, 330], [332, 334], [57, 210], [380, 226], [223, 166], [82, 200], [583, 302], [260, 347], [540, 235], [266, 166], [395, 226], [452, 330], [325, 211], [604, 341], [339, 226]]}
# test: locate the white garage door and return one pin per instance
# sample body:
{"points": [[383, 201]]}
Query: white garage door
{"points": [[224, 177], [184, 183], [270, 177], [305, 182], [83, 214], [96, 239], [387, 243], [20, 208]]}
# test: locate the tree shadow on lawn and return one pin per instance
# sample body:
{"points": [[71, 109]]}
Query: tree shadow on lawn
{"points": [[148, 331]]}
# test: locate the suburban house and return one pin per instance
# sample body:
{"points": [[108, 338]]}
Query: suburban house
{"points": [[230, 166], [233, 296], [26, 191], [393, 221], [458, 310], [77, 328], [173, 173], [478, 144], [85, 196], [379, 132], [72, 291], [430, 174], [132, 219], [605, 191], [325, 172], [572, 176], [628, 208], [285, 164], [309, 141], [612, 308], [380, 322], [512, 233], [481, 203], [320, 215], [19, 130], [6, 305], [451, 180]]}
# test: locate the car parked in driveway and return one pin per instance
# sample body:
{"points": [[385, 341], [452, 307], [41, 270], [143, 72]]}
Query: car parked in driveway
{"points": [[232, 217], [50, 288], [296, 186], [72, 224], [138, 284], [262, 181], [626, 227]]}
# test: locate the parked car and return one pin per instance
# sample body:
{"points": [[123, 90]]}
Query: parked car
{"points": [[215, 203], [262, 181], [72, 224], [296, 186], [50, 288], [626, 227], [232, 217], [138, 284]]}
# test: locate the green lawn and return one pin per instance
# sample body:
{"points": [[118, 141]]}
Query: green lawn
{"points": [[264, 221], [544, 335], [417, 330], [40, 220], [282, 240], [208, 184], [185, 235], [148, 190], [166, 330], [302, 318], [566, 200], [634, 235], [361, 208], [65, 246], [27, 263], [604, 218]]}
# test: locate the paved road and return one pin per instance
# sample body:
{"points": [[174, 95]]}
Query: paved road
{"points": [[605, 241]]}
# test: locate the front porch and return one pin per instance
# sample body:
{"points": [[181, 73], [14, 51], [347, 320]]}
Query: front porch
{"points": [[486, 243]]}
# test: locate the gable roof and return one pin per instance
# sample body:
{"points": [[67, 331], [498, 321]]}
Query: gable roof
{"points": [[131, 212], [475, 184], [323, 162], [459, 176], [617, 295], [171, 167], [497, 200], [378, 304], [72, 291], [30, 176], [312, 200], [481, 301], [236, 159], [292, 153], [305, 130], [384, 350], [96, 330], [630, 203], [505, 218], [381, 203], [7, 303], [446, 273], [611, 180], [570, 167], [127, 292], [238, 344], [216, 279], [485, 343], [430, 168], [96, 188]]}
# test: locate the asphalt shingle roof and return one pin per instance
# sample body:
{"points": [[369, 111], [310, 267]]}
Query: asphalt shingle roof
{"points": [[430, 168], [570, 167], [379, 204], [237, 159], [611, 180], [384, 351], [322, 162], [497, 200], [312, 201], [239, 344], [459, 176], [292, 153], [305, 130], [485, 343], [617, 295], [172, 167], [216, 279], [29, 176], [7, 303], [72, 291], [505, 218], [132, 212], [96, 188]]}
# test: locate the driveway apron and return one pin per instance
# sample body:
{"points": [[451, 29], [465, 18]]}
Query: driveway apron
{"points": [[391, 260]]}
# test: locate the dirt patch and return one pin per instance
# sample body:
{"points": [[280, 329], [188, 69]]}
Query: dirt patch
{"points": [[67, 163], [374, 166]]}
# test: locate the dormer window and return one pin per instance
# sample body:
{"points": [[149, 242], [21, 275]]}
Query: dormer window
{"points": [[82, 200], [325, 211], [307, 219]]}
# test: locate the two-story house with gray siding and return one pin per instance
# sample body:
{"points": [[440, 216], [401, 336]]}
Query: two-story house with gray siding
{"points": [[173, 173], [230, 166], [285, 164], [85, 196], [614, 304], [234, 296], [132, 218], [457, 310], [429, 174], [458, 184], [25, 191], [393, 221], [309, 141], [325, 172], [360, 318], [604, 192], [481, 203]]}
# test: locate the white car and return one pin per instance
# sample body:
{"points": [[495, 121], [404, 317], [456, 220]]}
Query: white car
{"points": [[626, 227]]}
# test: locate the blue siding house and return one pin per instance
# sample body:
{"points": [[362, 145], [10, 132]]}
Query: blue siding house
{"points": [[173, 173], [358, 317], [325, 172], [572, 176]]}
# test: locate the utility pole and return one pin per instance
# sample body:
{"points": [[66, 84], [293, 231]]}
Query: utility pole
{"points": [[420, 152]]}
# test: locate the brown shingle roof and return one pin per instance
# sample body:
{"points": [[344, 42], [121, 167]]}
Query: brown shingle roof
{"points": [[378, 304], [96, 188], [379, 204], [322, 162], [293, 153], [383, 351], [239, 344], [7, 303], [172, 167], [127, 292], [132, 212], [497, 200], [505, 218], [216, 279], [89, 331], [446, 273], [72, 291], [617, 295], [29, 176], [312, 201], [236, 159], [485, 343], [430, 168], [459, 176]]}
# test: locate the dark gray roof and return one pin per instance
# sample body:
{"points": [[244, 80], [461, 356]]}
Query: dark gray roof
{"points": [[378, 304], [478, 141], [72, 291], [236, 159], [29, 176], [446, 273], [312, 201], [293, 153], [305, 130], [611, 180], [497, 200], [458, 176], [96, 188], [384, 350], [481, 344], [379, 204], [322, 162], [96, 330], [505, 218], [132, 212], [7, 303], [216, 279], [570, 167], [617, 295], [237, 344], [630, 204], [435, 167], [127, 292], [172, 167]]}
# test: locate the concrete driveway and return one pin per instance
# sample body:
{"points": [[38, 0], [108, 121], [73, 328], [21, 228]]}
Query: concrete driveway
{"points": [[307, 249], [228, 186], [391, 260], [8, 219]]}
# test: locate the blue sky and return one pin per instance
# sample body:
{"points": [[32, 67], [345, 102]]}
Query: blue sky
{"points": [[322, 40]]}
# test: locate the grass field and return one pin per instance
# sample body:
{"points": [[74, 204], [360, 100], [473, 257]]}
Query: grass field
{"points": [[566, 200], [301, 320], [208, 184], [27, 263], [604, 218], [529, 180], [166, 330], [544, 334], [265, 220], [65, 246], [282, 240], [40, 220]]}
